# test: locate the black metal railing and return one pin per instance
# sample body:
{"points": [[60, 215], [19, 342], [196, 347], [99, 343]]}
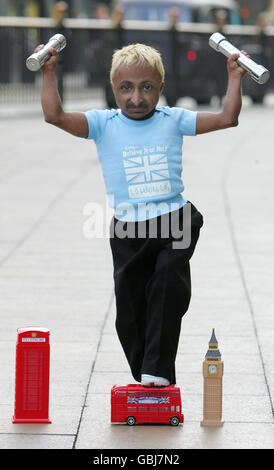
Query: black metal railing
{"points": [[192, 67]]}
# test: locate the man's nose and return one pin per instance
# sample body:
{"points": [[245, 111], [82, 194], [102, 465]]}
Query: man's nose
{"points": [[136, 97]]}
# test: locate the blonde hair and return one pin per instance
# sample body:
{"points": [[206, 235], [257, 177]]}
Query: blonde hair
{"points": [[137, 54]]}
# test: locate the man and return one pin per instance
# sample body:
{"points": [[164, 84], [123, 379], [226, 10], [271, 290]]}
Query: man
{"points": [[140, 150]]}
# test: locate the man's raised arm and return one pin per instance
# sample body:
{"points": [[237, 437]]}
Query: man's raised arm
{"points": [[228, 117], [74, 122]]}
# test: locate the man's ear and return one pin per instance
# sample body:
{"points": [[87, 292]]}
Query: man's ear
{"points": [[162, 87]]}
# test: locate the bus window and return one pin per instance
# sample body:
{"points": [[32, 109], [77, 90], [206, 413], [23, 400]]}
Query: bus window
{"points": [[131, 408], [178, 408], [154, 408], [163, 409]]}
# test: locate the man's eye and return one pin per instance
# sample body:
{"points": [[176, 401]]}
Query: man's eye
{"points": [[147, 87], [125, 87]]}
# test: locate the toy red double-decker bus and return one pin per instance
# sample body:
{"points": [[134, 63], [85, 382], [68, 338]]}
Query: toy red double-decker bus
{"points": [[138, 404]]}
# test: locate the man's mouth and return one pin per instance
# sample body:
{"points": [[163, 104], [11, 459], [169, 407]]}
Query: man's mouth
{"points": [[137, 110]]}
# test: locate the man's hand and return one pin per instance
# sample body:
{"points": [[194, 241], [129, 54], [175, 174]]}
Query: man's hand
{"points": [[234, 70], [50, 64]]}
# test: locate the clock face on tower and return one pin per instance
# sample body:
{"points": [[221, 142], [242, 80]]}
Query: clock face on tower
{"points": [[212, 369]]}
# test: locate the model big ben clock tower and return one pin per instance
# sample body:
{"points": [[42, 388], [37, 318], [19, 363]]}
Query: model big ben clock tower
{"points": [[213, 372]]}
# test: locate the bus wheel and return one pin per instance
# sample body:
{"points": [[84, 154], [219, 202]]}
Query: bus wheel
{"points": [[131, 420], [174, 421]]}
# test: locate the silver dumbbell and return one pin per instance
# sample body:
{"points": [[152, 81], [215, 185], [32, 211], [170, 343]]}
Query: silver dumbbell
{"points": [[36, 60], [257, 72]]}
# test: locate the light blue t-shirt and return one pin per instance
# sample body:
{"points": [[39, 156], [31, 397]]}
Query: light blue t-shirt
{"points": [[142, 160]]}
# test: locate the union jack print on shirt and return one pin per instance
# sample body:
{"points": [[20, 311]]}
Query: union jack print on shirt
{"points": [[146, 168]]}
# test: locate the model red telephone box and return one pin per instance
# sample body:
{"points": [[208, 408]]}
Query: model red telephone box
{"points": [[32, 376]]}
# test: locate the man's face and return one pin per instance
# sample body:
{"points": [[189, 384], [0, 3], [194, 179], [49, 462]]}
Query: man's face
{"points": [[137, 89]]}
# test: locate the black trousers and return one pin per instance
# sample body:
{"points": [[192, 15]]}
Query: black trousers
{"points": [[152, 285]]}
